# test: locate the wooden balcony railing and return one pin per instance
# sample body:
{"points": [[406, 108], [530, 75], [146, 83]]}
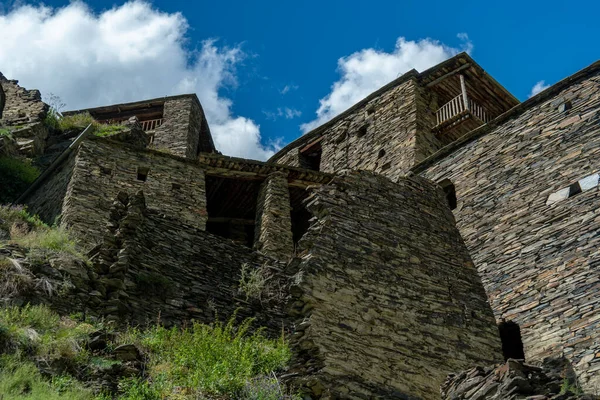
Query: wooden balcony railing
{"points": [[456, 107], [151, 124]]}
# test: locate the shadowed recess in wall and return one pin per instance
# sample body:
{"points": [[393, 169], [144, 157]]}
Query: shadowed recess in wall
{"points": [[512, 345]]}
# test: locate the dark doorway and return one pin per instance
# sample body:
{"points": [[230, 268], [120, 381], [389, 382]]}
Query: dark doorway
{"points": [[300, 215], [450, 192], [512, 345], [310, 156], [231, 206]]}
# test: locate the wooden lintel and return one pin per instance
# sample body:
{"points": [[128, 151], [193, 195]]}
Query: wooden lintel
{"points": [[252, 176], [311, 145], [449, 74]]}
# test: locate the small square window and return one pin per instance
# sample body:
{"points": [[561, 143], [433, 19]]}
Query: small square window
{"points": [[106, 171], [142, 173], [175, 186]]}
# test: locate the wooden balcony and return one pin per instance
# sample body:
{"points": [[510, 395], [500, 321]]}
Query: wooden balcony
{"points": [[457, 109], [151, 124], [460, 115]]}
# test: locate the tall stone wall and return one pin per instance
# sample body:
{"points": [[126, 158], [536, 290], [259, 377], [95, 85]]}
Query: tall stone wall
{"points": [[184, 131], [102, 169], [47, 200], [273, 218], [535, 241], [21, 106], [388, 134], [390, 301], [155, 267]]}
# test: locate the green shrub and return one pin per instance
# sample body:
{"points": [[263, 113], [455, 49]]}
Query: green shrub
{"points": [[76, 121], [51, 120], [22, 380], [15, 176], [104, 130], [5, 132], [204, 359]]}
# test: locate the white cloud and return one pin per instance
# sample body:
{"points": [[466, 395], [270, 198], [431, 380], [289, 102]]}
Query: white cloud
{"points": [[131, 52], [286, 112], [369, 69], [538, 87], [287, 88]]}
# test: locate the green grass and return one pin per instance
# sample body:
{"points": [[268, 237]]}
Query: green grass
{"points": [[205, 360], [199, 361], [15, 176], [104, 130], [23, 381], [32, 233], [5, 132]]}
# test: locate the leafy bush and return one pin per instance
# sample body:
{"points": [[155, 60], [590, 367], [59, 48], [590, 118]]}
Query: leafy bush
{"points": [[5, 132], [22, 380], [104, 130], [205, 360], [15, 176], [76, 121], [252, 281]]}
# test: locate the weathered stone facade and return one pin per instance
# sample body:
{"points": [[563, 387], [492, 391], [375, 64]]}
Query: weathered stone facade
{"points": [[152, 266], [21, 106], [390, 301], [273, 218], [184, 131], [537, 258], [102, 169], [379, 136]]}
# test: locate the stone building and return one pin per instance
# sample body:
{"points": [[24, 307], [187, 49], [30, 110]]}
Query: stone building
{"points": [[522, 182], [435, 225]]}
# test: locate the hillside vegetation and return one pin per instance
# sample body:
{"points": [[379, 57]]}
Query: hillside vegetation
{"points": [[48, 356]]}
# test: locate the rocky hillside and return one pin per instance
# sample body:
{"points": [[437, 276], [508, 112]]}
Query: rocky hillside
{"points": [[69, 355]]}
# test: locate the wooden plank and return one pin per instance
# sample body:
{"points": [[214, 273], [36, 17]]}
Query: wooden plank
{"points": [[449, 74]]}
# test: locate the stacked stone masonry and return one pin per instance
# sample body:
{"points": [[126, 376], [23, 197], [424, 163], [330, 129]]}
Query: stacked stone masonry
{"points": [[184, 131], [380, 136], [21, 106], [390, 301], [273, 222], [102, 169], [538, 261]]}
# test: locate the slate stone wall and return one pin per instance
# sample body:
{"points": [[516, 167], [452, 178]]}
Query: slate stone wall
{"points": [[387, 135], [155, 267], [390, 301], [184, 131], [103, 169], [534, 244], [47, 200], [21, 106], [273, 218]]}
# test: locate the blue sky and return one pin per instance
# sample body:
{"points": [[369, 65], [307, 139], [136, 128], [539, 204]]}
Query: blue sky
{"points": [[270, 63]]}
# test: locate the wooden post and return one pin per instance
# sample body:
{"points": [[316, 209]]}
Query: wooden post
{"points": [[464, 91]]}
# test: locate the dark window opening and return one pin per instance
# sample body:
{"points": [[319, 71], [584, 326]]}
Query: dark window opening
{"points": [[142, 173], [371, 110], [231, 207], [450, 192], [299, 214], [574, 189], [175, 186], [362, 131], [105, 170], [310, 156], [512, 344], [381, 153]]}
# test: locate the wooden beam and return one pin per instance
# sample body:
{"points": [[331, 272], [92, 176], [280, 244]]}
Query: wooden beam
{"points": [[464, 91], [448, 75], [311, 145]]}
